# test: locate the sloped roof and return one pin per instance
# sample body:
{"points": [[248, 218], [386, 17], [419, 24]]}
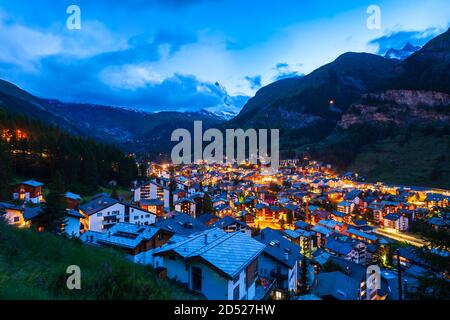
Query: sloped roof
{"points": [[98, 204], [128, 235], [226, 221], [337, 285], [33, 183], [280, 248], [181, 223], [228, 253]]}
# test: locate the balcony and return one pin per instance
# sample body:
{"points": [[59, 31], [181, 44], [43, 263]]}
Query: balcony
{"points": [[279, 275]]}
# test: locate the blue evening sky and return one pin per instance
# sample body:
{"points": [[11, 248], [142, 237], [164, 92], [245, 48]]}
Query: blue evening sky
{"points": [[188, 55]]}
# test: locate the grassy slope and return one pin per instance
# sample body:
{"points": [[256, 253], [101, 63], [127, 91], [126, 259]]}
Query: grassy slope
{"points": [[420, 161], [33, 265]]}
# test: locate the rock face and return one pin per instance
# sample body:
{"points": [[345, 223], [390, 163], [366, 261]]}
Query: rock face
{"points": [[400, 108], [402, 54]]}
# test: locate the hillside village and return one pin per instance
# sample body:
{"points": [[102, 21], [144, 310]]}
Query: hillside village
{"points": [[233, 232]]}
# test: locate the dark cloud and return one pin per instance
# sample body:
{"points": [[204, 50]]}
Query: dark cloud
{"points": [[80, 79], [255, 82], [397, 40]]}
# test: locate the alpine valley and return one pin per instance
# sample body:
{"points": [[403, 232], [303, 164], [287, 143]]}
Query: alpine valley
{"points": [[385, 117]]}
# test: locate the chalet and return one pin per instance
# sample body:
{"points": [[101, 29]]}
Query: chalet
{"points": [[337, 286], [436, 200], [13, 214], [272, 214], [179, 194], [301, 238], [230, 224], [333, 225], [396, 222], [219, 265], [159, 189], [360, 235], [142, 192], [186, 205], [349, 249], [223, 210], [318, 215], [136, 241], [154, 206], [102, 212], [347, 285], [246, 216], [354, 196], [72, 200], [30, 190], [345, 207], [321, 234], [339, 216], [219, 200], [279, 261], [72, 225]]}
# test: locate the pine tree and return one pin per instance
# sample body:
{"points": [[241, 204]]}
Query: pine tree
{"points": [[114, 194], [304, 279], [53, 215], [289, 217], [433, 285], [207, 204], [57, 183], [2, 214], [5, 171], [172, 186]]}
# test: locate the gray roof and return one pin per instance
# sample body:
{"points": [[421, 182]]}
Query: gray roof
{"points": [[6, 205], [152, 202], [339, 247], [97, 204], [354, 270], [126, 235], [228, 253], [181, 223], [33, 183], [31, 213], [280, 248], [226, 221], [337, 285], [74, 213], [72, 196]]}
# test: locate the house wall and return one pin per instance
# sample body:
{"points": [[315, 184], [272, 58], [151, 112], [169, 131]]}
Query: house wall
{"points": [[96, 219], [267, 264], [72, 226], [14, 217], [138, 216]]}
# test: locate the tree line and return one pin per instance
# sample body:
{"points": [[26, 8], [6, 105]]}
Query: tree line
{"points": [[31, 149]]}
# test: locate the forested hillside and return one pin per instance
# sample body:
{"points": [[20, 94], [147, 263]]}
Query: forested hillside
{"points": [[31, 149]]}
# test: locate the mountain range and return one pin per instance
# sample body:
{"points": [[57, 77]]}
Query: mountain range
{"points": [[403, 53], [340, 113]]}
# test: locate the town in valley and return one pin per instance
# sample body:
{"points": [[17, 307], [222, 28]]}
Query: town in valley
{"points": [[237, 232]]}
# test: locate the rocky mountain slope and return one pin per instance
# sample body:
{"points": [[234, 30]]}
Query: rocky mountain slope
{"points": [[387, 106], [403, 53], [309, 107], [132, 130]]}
